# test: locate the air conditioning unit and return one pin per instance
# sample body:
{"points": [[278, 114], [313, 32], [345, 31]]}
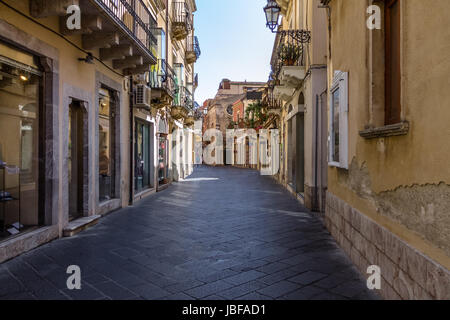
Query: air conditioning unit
{"points": [[142, 96]]}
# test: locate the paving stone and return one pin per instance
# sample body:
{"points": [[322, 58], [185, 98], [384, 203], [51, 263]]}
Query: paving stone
{"points": [[19, 296], [273, 267], [209, 289], [244, 277], [350, 289], [183, 286], [307, 277], [330, 282], [254, 296], [304, 293], [9, 285], [96, 278], [85, 293], [249, 265], [217, 275], [296, 260], [49, 293], [196, 240], [126, 252], [277, 277], [242, 290], [328, 296], [279, 289], [150, 292], [179, 296], [114, 291], [213, 298]]}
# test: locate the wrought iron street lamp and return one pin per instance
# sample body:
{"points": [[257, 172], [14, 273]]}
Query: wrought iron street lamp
{"points": [[272, 11]]}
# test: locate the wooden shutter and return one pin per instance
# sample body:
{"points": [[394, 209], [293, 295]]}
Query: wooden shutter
{"points": [[393, 79]]}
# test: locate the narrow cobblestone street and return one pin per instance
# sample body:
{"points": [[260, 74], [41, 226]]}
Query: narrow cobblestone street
{"points": [[224, 233]]}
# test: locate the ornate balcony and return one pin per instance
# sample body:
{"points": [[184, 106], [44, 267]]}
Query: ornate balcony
{"points": [[120, 29], [270, 102], [192, 49], [162, 82], [182, 104], [289, 63], [195, 81], [181, 20]]}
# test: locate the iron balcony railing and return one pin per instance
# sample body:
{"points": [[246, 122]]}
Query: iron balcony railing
{"points": [[179, 97], [189, 102], [192, 45], [290, 51], [135, 18], [181, 13], [162, 76], [271, 102], [183, 98], [196, 80]]}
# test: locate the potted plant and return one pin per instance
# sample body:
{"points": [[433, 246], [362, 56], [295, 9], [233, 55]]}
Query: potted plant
{"points": [[290, 53]]}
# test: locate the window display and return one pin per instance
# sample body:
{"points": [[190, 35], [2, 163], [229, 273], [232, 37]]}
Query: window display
{"points": [[106, 146], [19, 142], [162, 160], [144, 156]]}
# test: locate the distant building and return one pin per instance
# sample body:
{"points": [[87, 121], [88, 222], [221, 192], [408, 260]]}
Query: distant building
{"points": [[219, 114]]}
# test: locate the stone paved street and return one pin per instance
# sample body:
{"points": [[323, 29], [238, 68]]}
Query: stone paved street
{"points": [[225, 233]]}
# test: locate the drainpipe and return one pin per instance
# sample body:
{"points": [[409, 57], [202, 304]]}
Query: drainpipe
{"points": [[130, 202], [167, 32], [316, 195]]}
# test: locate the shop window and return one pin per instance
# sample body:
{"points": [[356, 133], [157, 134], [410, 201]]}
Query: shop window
{"points": [[106, 138], [163, 167], [338, 139], [143, 156], [20, 83]]}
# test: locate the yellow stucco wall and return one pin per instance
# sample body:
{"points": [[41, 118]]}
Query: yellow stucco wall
{"points": [[401, 182], [76, 74]]}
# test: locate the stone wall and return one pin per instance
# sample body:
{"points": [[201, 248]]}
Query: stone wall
{"points": [[406, 273]]}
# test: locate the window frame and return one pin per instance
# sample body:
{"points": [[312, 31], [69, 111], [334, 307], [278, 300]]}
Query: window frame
{"points": [[340, 82], [392, 69]]}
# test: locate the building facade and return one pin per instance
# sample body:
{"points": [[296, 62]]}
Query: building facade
{"points": [[82, 133], [219, 114], [295, 101], [388, 177]]}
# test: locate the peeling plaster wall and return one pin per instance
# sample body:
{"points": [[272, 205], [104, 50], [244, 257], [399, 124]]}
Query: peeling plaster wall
{"points": [[421, 208], [403, 181]]}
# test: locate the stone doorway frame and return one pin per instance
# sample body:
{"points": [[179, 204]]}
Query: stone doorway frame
{"points": [[85, 153], [71, 95]]}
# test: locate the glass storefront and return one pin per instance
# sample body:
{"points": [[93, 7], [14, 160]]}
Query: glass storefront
{"points": [[20, 83], [144, 156], [162, 160], [106, 140]]}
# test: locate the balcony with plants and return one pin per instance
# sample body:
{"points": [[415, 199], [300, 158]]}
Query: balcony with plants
{"points": [[271, 104], [193, 51], [121, 30], [182, 22], [162, 83], [288, 65], [195, 81], [183, 103]]}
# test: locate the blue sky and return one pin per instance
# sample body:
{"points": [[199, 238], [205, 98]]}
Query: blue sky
{"points": [[235, 43]]}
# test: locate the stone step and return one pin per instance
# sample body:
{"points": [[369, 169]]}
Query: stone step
{"points": [[79, 225]]}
